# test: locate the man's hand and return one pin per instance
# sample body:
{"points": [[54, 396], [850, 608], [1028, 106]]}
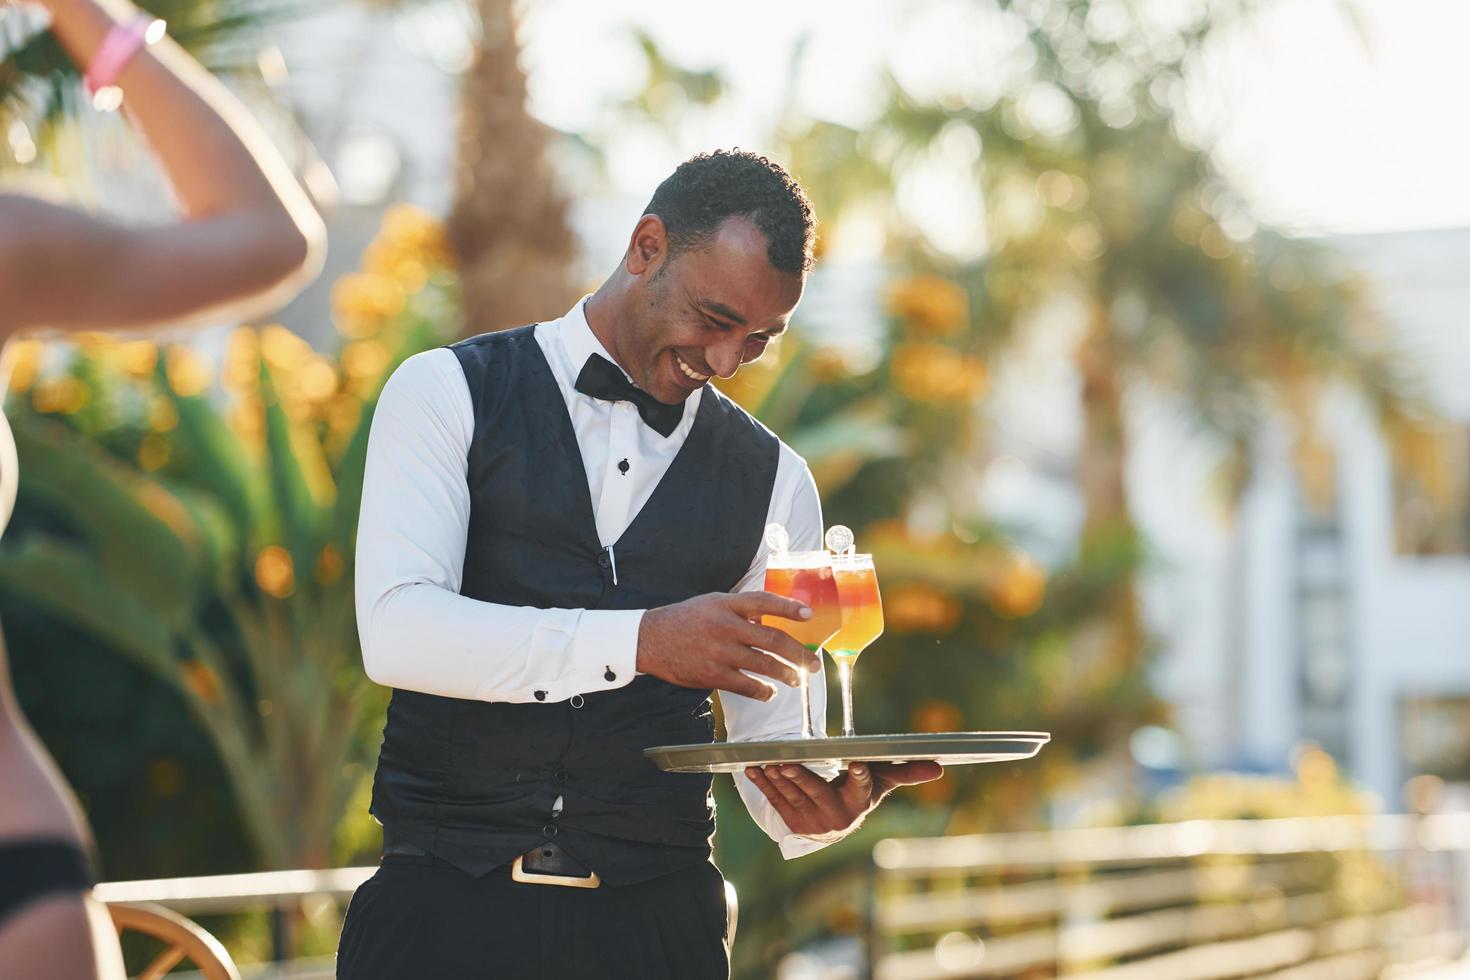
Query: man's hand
{"points": [[708, 641], [811, 805]]}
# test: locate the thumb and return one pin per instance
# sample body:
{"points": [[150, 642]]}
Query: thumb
{"points": [[857, 790]]}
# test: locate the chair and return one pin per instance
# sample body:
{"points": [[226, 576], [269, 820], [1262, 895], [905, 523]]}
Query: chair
{"points": [[732, 916], [184, 941]]}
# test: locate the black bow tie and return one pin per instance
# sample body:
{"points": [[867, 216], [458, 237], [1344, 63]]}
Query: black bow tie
{"points": [[600, 378]]}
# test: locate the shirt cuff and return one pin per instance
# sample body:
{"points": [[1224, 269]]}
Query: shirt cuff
{"points": [[795, 845], [604, 653]]}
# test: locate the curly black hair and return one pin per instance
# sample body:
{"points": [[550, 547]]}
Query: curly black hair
{"points": [[706, 190]]}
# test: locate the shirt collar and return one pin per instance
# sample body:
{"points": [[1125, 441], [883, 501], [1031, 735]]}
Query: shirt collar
{"points": [[578, 342]]}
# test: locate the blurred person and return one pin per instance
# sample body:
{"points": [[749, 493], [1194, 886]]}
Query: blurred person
{"points": [[248, 240], [559, 560]]}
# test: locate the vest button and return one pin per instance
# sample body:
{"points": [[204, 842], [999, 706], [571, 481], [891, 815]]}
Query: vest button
{"points": [[577, 701], [549, 830], [602, 561], [560, 775], [540, 695]]}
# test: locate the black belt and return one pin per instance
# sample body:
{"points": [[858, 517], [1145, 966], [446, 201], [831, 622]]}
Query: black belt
{"points": [[544, 864]]}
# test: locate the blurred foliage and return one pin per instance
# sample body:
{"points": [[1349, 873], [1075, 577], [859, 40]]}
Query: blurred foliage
{"points": [[1105, 220], [204, 532], [39, 83], [509, 223]]}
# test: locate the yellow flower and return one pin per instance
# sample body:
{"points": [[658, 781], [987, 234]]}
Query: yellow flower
{"points": [[64, 396], [408, 227], [318, 379], [929, 305], [365, 359], [240, 371], [935, 373], [23, 359], [189, 374], [138, 358], [282, 349], [163, 416], [367, 295], [153, 452], [274, 572], [917, 607]]}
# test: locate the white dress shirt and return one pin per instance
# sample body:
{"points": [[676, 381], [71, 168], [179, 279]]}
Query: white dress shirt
{"points": [[419, 634]]}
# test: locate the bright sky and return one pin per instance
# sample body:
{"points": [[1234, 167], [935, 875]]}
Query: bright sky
{"points": [[1324, 132]]}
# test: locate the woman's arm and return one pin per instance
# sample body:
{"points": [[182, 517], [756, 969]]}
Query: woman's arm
{"points": [[249, 238]]}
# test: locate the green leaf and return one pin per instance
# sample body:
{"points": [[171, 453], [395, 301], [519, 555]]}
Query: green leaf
{"points": [[222, 466], [300, 479], [143, 532], [66, 580]]}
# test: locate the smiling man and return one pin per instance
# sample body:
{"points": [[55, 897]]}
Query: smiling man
{"points": [[558, 562]]}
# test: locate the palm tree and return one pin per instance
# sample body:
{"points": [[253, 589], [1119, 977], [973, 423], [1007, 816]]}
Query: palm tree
{"points": [[1105, 203], [509, 221]]}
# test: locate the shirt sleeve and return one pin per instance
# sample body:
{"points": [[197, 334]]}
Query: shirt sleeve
{"points": [[796, 504], [417, 632]]}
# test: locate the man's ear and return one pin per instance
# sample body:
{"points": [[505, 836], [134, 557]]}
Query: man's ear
{"points": [[648, 248]]}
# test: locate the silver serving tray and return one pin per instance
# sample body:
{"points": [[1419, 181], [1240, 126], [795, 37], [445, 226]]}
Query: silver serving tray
{"points": [[946, 748]]}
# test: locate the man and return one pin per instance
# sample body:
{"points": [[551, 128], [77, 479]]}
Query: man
{"points": [[560, 543]]}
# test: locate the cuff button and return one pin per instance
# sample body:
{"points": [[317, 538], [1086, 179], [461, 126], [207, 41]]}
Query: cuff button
{"points": [[540, 695], [609, 676]]}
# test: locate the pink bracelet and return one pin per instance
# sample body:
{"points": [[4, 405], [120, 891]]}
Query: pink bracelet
{"points": [[122, 42]]}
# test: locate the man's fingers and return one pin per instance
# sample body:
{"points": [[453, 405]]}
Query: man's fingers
{"points": [[821, 795], [766, 783], [763, 663], [737, 682], [775, 640], [786, 785], [892, 774], [754, 604]]}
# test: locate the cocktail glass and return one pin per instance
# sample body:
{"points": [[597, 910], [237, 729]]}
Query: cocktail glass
{"points": [[807, 577], [862, 621]]}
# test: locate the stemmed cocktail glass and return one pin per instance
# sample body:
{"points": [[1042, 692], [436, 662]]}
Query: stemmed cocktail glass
{"points": [[862, 612], [807, 577]]}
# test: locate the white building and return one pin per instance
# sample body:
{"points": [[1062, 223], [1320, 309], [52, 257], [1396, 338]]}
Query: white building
{"points": [[1349, 628]]}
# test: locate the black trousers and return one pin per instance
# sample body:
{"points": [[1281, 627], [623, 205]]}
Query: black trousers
{"points": [[423, 919]]}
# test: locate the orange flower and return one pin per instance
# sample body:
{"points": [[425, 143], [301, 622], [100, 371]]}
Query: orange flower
{"points": [[201, 682], [329, 565], [929, 305], [274, 572], [935, 373], [916, 607], [1018, 586]]}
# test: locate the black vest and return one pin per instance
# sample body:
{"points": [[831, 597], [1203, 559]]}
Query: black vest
{"points": [[473, 782]]}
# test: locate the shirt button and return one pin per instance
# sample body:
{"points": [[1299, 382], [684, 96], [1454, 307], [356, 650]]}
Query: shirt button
{"points": [[560, 776], [540, 695], [602, 561], [549, 830]]}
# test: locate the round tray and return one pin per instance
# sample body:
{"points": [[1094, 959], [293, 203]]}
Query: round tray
{"points": [[946, 748]]}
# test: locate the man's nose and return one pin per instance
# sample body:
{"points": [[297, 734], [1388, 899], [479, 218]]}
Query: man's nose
{"points": [[724, 359]]}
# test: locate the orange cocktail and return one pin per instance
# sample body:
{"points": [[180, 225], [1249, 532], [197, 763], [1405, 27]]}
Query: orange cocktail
{"points": [[862, 621], [805, 576]]}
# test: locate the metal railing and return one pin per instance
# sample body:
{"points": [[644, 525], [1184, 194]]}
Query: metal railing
{"points": [[1295, 899]]}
